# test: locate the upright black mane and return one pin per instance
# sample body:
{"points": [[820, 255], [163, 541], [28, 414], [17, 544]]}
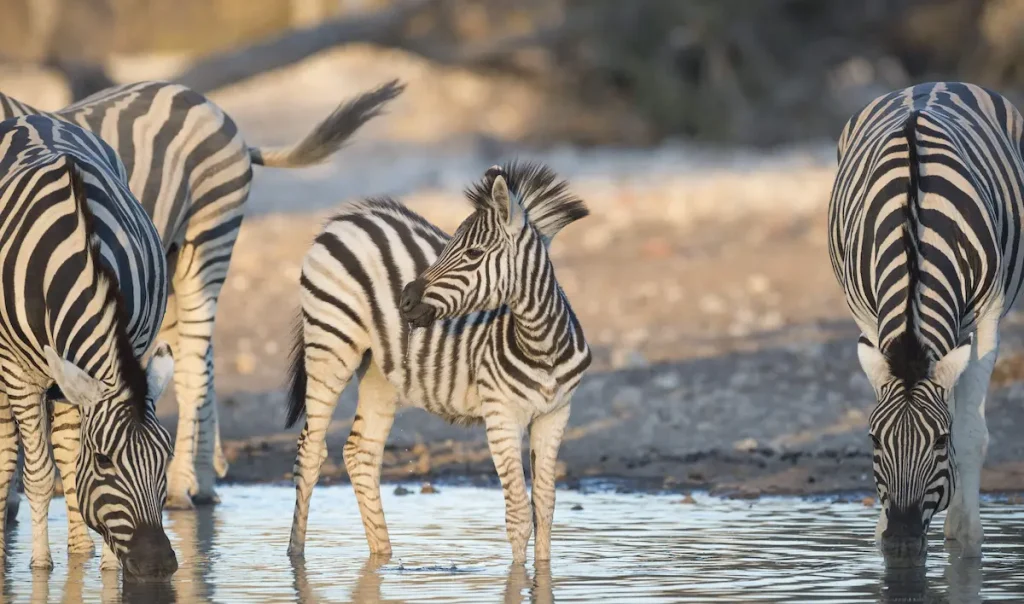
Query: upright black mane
{"points": [[133, 375], [546, 199]]}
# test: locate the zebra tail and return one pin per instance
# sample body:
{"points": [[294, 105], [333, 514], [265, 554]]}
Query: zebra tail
{"points": [[297, 376], [329, 135]]}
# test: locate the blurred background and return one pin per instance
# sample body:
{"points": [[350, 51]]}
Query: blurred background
{"points": [[700, 132]]}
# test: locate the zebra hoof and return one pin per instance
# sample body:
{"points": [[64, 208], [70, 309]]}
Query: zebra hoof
{"points": [[41, 563], [179, 503], [205, 499]]}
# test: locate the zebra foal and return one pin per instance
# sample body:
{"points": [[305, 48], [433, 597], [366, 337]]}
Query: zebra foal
{"points": [[81, 300], [472, 327], [191, 170], [924, 237]]}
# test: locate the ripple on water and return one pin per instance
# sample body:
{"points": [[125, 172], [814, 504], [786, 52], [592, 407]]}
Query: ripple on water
{"points": [[450, 547]]}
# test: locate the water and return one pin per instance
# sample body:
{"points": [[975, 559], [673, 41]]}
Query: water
{"points": [[451, 547]]}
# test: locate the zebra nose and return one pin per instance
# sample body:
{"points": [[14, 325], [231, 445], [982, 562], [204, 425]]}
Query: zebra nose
{"points": [[904, 524], [150, 554], [411, 296]]}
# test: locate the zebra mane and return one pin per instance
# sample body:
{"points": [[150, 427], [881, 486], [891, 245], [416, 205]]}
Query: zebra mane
{"points": [[907, 356], [548, 204], [132, 374]]}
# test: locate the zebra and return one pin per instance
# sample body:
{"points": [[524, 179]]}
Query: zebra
{"points": [[481, 332], [191, 170], [924, 237], [82, 299]]}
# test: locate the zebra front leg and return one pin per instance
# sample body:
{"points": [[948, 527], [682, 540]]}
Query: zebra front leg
{"points": [[970, 441], [8, 460], [545, 438], [321, 399], [364, 453], [108, 559], [65, 437], [39, 472], [505, 440]]}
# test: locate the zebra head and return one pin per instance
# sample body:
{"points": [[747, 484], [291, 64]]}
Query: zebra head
{"points": [[910, 428], [121, 475], [499, 253]]}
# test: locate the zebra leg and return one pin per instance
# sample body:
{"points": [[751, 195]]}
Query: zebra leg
{"points": [[39, 471], [13, 496], [65, 434], [190, 476], [220, 461], [545, 438], [364, 453], [505, 440], [323, 386], [970, 441], [8, 461], [108, 559]]}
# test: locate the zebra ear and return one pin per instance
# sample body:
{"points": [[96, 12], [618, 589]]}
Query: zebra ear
{"points": [[159, 370], [508, 208], [874, 364], [78, 387], [949, 367]]}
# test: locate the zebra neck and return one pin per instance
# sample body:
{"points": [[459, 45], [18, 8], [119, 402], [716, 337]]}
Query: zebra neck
{"points": [[542, 322]]}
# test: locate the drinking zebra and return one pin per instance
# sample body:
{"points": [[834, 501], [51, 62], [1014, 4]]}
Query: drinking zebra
{"points": [[81, 300], [924, 236], [481, 333], [191, 170]]}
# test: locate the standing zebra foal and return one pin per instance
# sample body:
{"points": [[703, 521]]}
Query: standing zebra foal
{"points": [[81, 301], [924, 237], [482, 332], [191, 170]]}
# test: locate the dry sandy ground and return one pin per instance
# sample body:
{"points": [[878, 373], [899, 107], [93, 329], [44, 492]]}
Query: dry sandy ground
{"points": [[725, 354]]}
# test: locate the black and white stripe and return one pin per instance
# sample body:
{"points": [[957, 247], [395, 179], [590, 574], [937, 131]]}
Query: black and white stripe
{"points": [[924, 237], [473, 328], [82, 297], [190, 168]]}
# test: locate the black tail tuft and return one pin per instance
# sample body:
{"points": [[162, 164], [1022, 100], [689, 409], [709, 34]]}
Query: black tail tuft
{"points": [[297, 376]]}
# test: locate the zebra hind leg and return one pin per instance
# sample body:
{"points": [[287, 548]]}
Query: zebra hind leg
{"points": [[364, 453], [191, 476], [65, 436], [505, 440], [545, 438], [970, 441]]}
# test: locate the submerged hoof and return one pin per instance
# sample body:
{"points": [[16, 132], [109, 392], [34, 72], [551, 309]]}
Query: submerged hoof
{"points": [[205, 499]]}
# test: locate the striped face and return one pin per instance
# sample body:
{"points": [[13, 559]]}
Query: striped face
{"points": [[476, 269], [913, 457], [122, 467]]}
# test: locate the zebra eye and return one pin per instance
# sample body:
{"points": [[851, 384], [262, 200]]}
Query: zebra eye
{"points": [[941, 442], [474, 253], [104, 462], [875, 442]]}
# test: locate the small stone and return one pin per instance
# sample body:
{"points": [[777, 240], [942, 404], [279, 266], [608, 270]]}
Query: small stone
{"points": [[687, 500], [868, 502], [400, 490], [428, 489], [746, 445], [577, 507]]}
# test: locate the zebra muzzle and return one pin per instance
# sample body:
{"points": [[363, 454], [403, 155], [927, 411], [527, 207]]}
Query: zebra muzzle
{"points": [[412, 308]]}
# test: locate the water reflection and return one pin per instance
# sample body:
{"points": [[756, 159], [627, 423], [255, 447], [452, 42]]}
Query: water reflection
{"points": [[608, 547]]}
